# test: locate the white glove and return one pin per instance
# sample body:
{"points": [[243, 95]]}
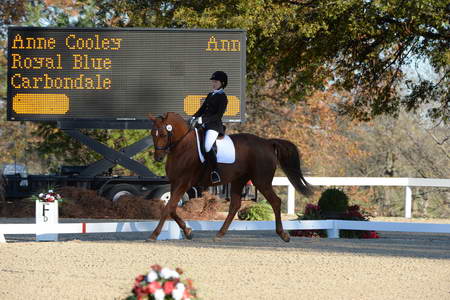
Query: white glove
{"points": [[199, 120]]}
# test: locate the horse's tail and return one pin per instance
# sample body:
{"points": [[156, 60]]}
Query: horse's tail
{"points": [[289, 159]]}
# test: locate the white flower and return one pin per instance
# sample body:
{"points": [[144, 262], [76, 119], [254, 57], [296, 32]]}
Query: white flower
{"points": [[177, 294], [51, 198], [159, 294], [50, 191], [47, 196], [175, 274], [41, 195], [166, 273], [180, 286], [152, 276]]}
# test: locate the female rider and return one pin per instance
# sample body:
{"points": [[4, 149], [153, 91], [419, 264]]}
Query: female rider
{"points": [[210, 116]]}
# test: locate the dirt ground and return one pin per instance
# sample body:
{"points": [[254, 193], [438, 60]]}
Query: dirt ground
{"points": [[244, 265]]}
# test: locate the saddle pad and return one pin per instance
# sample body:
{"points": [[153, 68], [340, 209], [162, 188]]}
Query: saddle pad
{"points": [[226, 154]]}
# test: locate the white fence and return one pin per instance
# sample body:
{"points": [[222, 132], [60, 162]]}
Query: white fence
{"points": [[172, 231], [44, 229], [408, 183]]}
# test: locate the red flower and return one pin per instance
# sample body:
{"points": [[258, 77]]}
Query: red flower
{"points": [[374, 235], [153, 286], [187, 295], [189, 283], [311, 209], [370, 235], [139, 278], [139, 292], [156, 268], [168, 287], [354, 208]]}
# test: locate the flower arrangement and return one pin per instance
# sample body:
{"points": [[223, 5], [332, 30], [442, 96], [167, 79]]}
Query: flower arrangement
{"points": [[353, 213], [311, 212], [50, 196], [162, 283]]}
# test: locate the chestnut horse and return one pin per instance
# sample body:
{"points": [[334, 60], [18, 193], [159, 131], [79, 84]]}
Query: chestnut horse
{"points": [[256, 160]]}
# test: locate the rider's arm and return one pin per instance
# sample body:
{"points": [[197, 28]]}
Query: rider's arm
{"points": [[200, 111]]}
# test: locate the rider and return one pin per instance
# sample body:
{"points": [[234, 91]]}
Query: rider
{"points": [[210, 116]]}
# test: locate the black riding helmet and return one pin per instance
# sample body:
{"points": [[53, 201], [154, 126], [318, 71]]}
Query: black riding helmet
{"points": [[220, 76]]}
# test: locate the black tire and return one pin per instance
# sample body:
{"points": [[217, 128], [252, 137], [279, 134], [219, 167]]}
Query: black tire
{"points": [[121, 189], [163, 193]]}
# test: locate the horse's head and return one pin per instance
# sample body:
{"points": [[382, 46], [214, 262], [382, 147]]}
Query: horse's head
{"points": [[165, 132]]}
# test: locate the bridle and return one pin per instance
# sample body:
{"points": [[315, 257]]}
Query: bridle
{"points": [[169, 144]]}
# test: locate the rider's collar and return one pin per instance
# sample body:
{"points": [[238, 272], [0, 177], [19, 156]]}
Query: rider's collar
{"points": [[221, 91]]}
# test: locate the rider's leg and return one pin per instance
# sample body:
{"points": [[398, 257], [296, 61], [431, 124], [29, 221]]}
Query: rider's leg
{"points": [[210, 138]]}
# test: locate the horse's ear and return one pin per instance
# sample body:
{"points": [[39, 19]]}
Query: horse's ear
{"points": [[151, 117], [165, 115]]}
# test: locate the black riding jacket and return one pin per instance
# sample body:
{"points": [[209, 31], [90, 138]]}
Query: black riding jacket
{"points": [[212, 111]]}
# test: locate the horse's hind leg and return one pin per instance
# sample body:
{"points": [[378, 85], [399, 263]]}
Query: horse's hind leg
{"points": [[235, 204], [275, 202]]}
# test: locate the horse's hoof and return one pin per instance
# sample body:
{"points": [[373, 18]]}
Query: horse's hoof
{"points": [[151, 239], [188, 234], [285, 237], [217, 239]]}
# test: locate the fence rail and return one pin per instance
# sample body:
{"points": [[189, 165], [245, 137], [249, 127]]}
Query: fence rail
{"points": [[408, 183], [172, 231]]}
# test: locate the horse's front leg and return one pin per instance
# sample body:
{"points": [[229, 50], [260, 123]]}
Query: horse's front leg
{"points": [[186, 230], [170, 209]]}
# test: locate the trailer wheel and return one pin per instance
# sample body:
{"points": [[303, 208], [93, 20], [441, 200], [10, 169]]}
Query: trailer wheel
{"points": [[122, 189], [163, 193]]}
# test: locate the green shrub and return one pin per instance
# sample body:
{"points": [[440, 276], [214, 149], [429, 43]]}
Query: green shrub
{"points": [[333, 201], [261, 211]]}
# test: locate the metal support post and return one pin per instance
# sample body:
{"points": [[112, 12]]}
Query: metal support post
{"points": [[113, 157]]}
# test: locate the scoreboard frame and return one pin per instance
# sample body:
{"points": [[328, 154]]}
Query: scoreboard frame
{"points": [[107, 64]]}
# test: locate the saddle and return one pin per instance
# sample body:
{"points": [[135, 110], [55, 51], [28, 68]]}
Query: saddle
{"points": [[224, 147], [201, 134]]}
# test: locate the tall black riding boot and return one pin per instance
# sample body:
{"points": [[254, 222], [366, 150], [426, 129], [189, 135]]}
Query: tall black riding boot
{"points": [[212, 162]]}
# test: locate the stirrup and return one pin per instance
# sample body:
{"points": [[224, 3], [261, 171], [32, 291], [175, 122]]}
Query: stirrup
{"points": [[215, 177]]}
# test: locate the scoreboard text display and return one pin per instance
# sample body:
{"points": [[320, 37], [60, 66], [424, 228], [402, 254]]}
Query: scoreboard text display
{"points": [[57, 74]]}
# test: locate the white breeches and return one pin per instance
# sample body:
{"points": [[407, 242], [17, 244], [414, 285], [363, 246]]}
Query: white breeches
{"points": [[211, 136]]}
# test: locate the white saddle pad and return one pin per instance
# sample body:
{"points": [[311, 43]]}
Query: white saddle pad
{"points": [[226, 154]]}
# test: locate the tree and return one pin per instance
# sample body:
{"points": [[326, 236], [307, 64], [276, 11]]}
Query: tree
{"points": [[405, 147], [358, 46]]}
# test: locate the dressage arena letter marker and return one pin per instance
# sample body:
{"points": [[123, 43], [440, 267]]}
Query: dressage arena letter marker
{"points": [[46, 217]]}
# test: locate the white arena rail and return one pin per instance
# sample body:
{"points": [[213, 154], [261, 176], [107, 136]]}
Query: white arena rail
{"points": [[47, 226], [408, 183], [172, 231]]}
